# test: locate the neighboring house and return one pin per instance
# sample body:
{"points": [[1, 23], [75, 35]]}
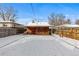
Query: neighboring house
{"points": [[68, 30], [8, 28], [10, 24], [38, 28]]}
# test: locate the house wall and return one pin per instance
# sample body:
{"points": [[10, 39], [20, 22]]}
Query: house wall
{"points": [[38, 30], [7, 24], [10, 24]]}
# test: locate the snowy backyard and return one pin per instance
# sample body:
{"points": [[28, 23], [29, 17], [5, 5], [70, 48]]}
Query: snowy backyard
{"points": [[38, 45]]}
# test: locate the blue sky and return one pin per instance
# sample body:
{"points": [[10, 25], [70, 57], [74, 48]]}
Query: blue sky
{"points": [[43, 10]]}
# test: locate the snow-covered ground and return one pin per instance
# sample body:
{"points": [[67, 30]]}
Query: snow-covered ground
{"points": [[10, 39], [72, 42], [37, 45]]}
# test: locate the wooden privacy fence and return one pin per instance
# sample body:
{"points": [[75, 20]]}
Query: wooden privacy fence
{"points": [[68, 32], [7, 32]]}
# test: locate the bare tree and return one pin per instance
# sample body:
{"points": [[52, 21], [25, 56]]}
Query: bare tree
{"points": [[56, 19], [68, 21], [2, 13], [77, 21], [8, 14]]}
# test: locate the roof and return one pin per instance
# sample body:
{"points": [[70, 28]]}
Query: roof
{"points": [[17, 24], [69, 25], [38, 24], [5, 21]]}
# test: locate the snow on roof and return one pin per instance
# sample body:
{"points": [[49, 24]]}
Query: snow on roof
{"points": [[68, 25], [8, 22], [18, 24], [38, 24], [5, 21]]}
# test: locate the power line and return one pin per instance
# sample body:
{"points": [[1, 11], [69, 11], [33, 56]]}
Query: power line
{"points": [[33, 12]]}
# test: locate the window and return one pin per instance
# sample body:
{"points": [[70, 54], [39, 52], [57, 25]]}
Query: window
{"points": [[4, 25]]}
